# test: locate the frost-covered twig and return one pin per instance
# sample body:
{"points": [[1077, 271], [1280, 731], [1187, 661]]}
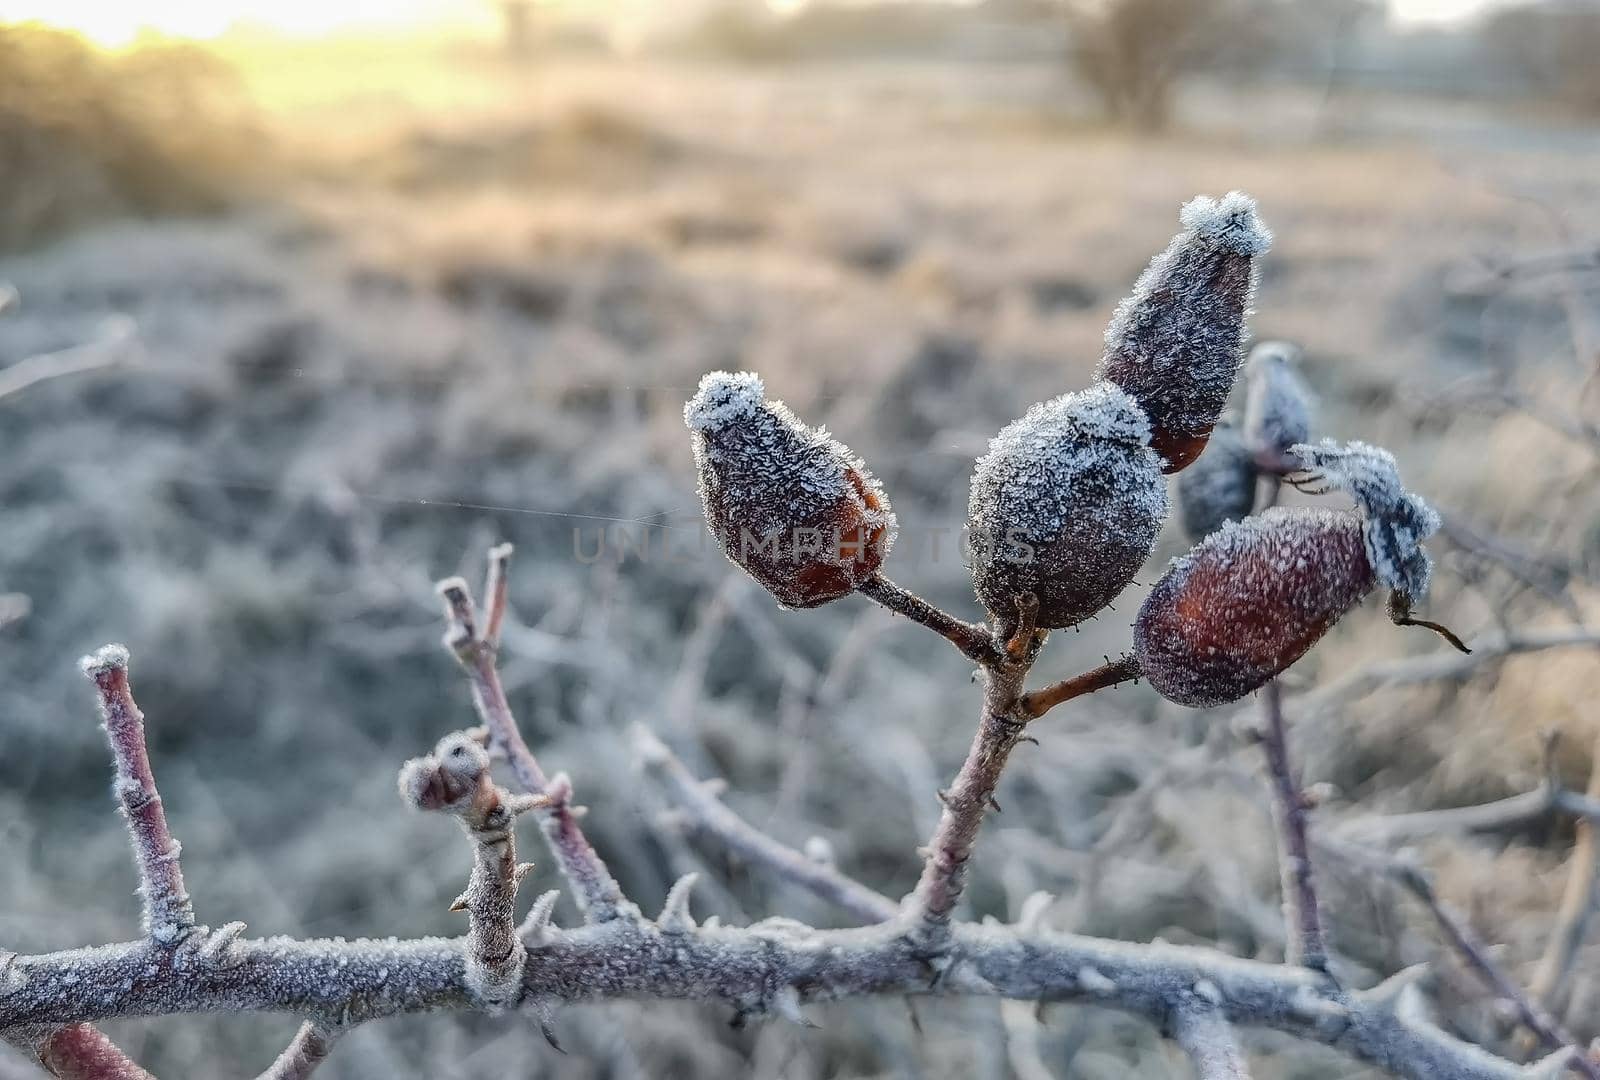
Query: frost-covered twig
{"points": [[726, 965], [1443, 666], [973, 639], [1203, 1031], [968, 799], [455, 779], [1466, 943], [1306, 944], [308, 1049], [108, 349], [705, 814], [1579, 901], [82, 1052], [598, 896], [168, 913]]}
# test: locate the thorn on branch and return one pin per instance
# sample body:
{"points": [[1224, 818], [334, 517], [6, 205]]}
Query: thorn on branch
{"points": [[675, 917], [536, 925]]}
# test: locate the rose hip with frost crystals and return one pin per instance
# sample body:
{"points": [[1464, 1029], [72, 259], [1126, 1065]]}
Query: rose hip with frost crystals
{"points": [[1066, 505], [1251, 598], [790, 505], [1177, 341]]}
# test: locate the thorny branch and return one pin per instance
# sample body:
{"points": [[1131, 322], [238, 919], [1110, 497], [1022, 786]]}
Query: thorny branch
{"points": [[1466, 943], [771, 968], [703, 813], [598, 896]]}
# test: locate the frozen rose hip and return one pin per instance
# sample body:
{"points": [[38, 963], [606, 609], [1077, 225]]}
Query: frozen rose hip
{"points": [[1251, 598], [1177, 341], [1066, 505], [788, 503]]}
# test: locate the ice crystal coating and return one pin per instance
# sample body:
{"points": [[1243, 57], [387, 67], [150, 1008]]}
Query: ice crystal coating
{"points": [[789, 504], [1395, 522], [1177, 341], [723, 398], [1278, 404], [1248, 601], [1229, 223], [1220, 486], [1066, 505]]}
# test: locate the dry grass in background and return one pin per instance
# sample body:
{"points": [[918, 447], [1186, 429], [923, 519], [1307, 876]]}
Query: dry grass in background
{"points": [[477, 317]]}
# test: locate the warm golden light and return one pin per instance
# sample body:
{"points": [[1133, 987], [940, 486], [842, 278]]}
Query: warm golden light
{"points": [[116, 22]]}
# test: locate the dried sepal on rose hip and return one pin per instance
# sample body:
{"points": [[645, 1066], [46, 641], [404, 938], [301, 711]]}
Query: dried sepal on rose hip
{"points": [[1220, 486], [1177, 341], [1250, 599], [789, 504], [1066, 505], [1277, 413]]}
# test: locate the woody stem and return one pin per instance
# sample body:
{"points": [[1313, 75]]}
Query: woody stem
{"points": [[944, 869], [1306, 944]]}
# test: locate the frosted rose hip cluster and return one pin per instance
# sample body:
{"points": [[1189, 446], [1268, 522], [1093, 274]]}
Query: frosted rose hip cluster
{"points": [[1067, 504]]}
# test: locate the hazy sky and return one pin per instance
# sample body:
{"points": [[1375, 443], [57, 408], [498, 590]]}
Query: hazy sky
{"points": [[117, 21]]}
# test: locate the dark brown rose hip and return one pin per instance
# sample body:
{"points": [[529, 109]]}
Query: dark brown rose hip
{"points": [[792, 506], [1251, 598], [1177, 341], [1248, 601]]}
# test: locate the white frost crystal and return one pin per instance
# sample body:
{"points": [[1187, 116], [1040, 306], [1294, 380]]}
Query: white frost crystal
{"points": [[1395, 522]]}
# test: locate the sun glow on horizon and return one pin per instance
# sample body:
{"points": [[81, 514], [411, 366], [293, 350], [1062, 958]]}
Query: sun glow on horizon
{"points": [[116, 23]]}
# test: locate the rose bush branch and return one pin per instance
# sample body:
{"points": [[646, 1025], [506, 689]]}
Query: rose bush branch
{"points": [[972, 639], [740, 967], [455, 779], [168, 912], [1302, 910], [597, 893], [703, 814], [1464, 941], [308, 1049], [1203, 1032]]}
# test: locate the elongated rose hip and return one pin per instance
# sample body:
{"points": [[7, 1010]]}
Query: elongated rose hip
{"points": [[1277, 413], [1177, 341], [1066, 505], [1220, 486], [1251, 598], [788, 503]]}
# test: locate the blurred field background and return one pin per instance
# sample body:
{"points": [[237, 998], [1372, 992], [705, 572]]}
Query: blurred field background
{"points": [[355, 302]]}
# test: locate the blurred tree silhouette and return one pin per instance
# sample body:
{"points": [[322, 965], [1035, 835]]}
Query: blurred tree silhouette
{"points": [[1132, 53], [83, 133], [1551, 49]]}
